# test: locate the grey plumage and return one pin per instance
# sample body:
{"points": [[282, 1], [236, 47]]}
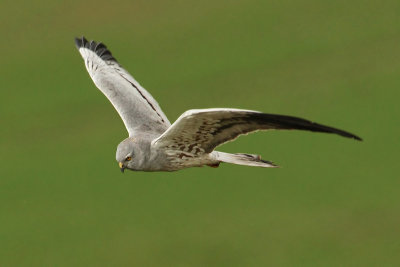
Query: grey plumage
{"points": [[156, 145], [137, 108]]}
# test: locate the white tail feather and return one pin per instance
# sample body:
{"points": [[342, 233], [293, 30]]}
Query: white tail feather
{"points": [[244, 159]]}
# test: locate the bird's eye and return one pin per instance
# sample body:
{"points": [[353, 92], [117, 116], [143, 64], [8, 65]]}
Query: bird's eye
{"points": [[128, 158]]}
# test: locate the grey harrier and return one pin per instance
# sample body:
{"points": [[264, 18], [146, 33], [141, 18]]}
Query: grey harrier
{"points": [[156, 145]]}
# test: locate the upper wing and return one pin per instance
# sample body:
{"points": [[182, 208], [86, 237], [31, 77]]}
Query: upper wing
{"points": [[201, 130], [137, 108]]}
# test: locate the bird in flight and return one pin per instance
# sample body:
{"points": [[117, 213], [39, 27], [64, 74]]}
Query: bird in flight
{"points": [[156, 145]]}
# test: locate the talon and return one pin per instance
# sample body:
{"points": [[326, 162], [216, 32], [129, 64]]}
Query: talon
{"points": [[214, 165]]}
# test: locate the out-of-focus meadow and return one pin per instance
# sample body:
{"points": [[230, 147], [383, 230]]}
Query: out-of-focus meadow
{"points": [[334, 202]]}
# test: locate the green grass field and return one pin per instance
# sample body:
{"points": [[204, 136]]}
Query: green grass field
{"points": [[334, 202]]}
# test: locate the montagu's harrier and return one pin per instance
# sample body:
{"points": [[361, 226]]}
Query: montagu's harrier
{"points": [[156, 145]]}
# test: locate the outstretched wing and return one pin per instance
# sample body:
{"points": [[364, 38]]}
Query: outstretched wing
{"points": [[137, 108], [200, 131]]}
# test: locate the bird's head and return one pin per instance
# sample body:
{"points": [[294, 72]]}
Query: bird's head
{"points": [[127, 152]]}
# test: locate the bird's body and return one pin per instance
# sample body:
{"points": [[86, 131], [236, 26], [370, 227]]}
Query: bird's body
{"points": [[156, 145]]}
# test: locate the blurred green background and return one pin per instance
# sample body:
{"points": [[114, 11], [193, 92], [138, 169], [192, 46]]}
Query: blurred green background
{"points": [[334, 202]]}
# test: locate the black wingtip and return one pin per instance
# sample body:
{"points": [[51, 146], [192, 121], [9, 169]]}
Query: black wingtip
{"points": [[99, 48], [344, 133], [78, 42], [295, 123]]}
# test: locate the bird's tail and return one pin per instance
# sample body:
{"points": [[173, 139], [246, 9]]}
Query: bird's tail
{"points": [[244, 159]]}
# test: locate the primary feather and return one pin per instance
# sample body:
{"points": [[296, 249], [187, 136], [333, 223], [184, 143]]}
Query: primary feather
{"points": [[139, 111]]}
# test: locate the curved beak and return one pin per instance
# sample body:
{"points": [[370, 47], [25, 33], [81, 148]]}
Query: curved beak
{"points": [[121, 167]]}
